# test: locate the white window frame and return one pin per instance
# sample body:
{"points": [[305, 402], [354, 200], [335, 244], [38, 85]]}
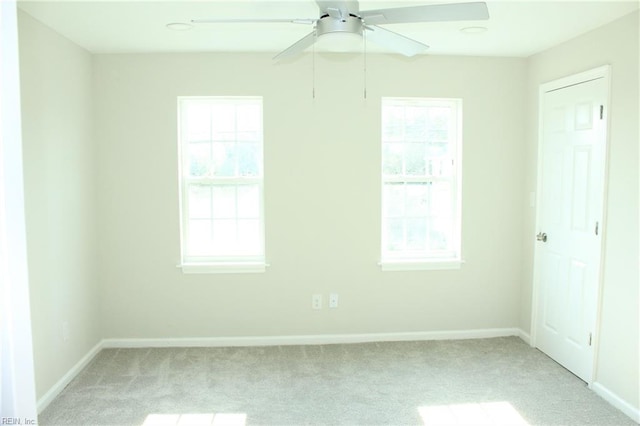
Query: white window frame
{"points": [[425, 260], [230, 263]]}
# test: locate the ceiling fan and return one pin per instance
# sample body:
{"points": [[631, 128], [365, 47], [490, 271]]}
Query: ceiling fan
{"points": [[345, 18]]}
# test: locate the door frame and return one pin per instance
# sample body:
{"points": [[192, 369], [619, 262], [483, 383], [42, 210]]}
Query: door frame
{"points": [[572, 80]]}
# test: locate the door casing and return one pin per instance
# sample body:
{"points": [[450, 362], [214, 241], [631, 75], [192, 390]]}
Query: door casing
{"points": [[592, 74]]}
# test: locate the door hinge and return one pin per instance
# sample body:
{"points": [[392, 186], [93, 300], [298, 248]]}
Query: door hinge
{"points": [[601, 111], [590, 338], [597, 227]]}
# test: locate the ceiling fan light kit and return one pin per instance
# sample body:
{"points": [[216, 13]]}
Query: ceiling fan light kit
{"points": [[329, 25], [339, 42], [341, 19]]}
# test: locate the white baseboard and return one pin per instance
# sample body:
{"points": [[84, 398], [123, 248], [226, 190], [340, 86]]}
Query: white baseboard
{"points": [[320, 339], [616, 401], [524, 336], [55, 390], [606, 394]]}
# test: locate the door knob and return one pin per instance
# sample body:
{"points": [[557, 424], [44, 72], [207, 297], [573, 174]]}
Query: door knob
{"points": [[541, 237]]}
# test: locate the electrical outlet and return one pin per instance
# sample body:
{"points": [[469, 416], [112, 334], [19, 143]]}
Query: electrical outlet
{"points": [[316, 301], [333, 300]]}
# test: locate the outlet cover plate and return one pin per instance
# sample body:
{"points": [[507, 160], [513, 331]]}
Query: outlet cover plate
{"points": [[316, 301], [333, 300]]}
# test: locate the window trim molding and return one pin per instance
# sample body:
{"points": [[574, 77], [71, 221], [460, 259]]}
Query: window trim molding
{"points": [[218, 263], [399, 263], [421, 265], [222, 267]]}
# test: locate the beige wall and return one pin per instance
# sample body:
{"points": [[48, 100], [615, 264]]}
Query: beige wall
{"points": [[116, 200], [59, 174], [615, 44], [322, 189]]}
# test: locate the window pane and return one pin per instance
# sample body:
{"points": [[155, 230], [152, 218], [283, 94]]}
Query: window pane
{"points": [[416, 234], [437, 135], [199, 159], [392, 155], [248, 154], [198, 122], [393, 200], [415, 123], [249, 118], [223, 119], [439, 124], [441, 202], [439, 117], [437, 149], [248, 201], [417, 199], [440, 232], [414, 159], [392, 123], [199, 238], [224, 159], [249, 236], [224, 201], [395, 234], [440, 167], [247, 136], [224, 236], [199, 202]]}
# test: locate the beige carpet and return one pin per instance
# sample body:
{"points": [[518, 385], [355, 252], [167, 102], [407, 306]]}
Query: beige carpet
{"points": [[485, 381]]}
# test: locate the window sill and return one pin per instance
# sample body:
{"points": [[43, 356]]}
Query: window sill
{"points": [[399, 265], [223, 268]]}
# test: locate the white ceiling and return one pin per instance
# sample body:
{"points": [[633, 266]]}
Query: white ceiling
{"points": [[515, 28]]}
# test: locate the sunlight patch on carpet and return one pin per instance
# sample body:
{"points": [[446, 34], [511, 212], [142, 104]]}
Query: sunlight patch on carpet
{"points": [[196, 419], [483, 413]]}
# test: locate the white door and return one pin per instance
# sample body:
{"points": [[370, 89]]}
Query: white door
{"points": [[570, 212]]}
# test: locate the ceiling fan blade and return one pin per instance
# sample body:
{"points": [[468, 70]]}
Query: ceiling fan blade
{"points": [[252, 21], [331, 7], [394, 41], [427, 13], [297, 47]]}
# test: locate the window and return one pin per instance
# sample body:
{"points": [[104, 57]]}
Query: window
{"points": [[421, 151], [221, 184]]}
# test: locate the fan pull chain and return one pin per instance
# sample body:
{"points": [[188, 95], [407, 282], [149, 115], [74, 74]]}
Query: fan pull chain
{"points": [[364, 37], [313, 71]]}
